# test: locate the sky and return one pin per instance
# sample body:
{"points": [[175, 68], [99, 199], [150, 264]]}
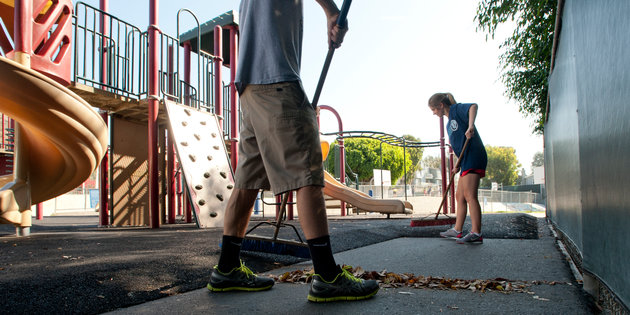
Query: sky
{"points": [[395, 55]]}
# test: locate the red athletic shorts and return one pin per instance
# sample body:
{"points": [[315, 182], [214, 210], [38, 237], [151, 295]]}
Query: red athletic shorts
{"points": [[482, 173]]}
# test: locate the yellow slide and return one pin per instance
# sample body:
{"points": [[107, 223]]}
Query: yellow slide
{"points": [[61, 138], [337, 190]]}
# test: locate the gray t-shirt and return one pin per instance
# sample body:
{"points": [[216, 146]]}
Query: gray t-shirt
{"points": [[270, 49]]}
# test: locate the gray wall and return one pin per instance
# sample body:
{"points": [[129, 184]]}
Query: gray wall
{"points": [[587, 138]]}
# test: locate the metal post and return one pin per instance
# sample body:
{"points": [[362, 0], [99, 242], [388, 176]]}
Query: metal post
{"points": [[187, 98], [450, 167], [39, 211], [170, 146], [23, 32], [104, 29], [104, 184], [443, 164], [218, 85], [233, 97], [154, 203], [342, 152], [382, 182], [290, 207]]}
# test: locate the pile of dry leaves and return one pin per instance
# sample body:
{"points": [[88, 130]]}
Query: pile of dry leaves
{"points": [[396, 280]]}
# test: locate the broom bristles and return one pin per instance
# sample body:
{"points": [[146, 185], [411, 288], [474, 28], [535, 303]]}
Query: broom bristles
{"points": [[275, 248]]}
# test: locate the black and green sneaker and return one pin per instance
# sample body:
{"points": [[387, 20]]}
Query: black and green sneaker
{"points": [[345, 287], [239, 279]]}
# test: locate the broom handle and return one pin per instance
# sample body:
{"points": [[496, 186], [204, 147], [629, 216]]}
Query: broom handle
{"points": [[450, 182], [283, 209], [341, 22]]}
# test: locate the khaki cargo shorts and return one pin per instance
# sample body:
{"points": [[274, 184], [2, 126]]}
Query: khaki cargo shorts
{"points": [[279, 147]]}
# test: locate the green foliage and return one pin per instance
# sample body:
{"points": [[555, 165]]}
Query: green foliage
{"points": [[364, 155], [539, 159], [432, 162], [526, 60], [502, 166], [415, 156]]}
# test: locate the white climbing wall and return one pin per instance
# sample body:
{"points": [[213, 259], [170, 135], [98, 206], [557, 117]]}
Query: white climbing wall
{"points": [[204, 161]]}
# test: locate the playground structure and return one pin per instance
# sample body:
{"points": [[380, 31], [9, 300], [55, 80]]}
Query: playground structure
{"points": [[141, 81]]}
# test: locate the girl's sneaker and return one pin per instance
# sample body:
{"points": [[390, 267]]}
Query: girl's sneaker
{"points": [[470, 238], [451, 233]]}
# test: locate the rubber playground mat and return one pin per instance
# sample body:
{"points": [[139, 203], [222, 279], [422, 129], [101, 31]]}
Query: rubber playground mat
{"points": [[69, 265]]}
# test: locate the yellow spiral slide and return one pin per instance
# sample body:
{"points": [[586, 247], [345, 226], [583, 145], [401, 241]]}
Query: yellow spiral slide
{"points": [[60, 139]]}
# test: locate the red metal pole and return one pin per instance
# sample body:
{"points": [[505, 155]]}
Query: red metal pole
{"points": [[104, 6], [450, 167], [278, 202], [171, 178], [23, 27], [104, 167], [186, 99], [233, 97], [154, 203], [170, 149], [218, 82], [188, 208], [290, 206], [39, 210], [179, 193], [443, 156], [104, 184], [342, 153]]}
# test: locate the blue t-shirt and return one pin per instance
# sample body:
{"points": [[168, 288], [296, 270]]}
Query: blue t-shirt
{"points": [[475, 156], [270, 49]]}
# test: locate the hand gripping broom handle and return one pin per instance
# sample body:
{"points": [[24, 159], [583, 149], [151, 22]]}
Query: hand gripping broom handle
{"points": [[450, 182], [341, 22]]}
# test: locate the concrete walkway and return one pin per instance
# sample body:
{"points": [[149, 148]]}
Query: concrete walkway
{"points": [[550, 285]]}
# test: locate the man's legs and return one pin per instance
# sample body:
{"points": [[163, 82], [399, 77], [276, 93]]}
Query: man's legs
{"points": [[312, 215], [230, 274], [330, 282]]}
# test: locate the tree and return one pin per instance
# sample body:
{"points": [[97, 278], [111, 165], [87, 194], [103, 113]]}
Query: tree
{"points": [[364, 155], [502, 166], [431, 161], [539, 159], [415, 156], [526, 60]]}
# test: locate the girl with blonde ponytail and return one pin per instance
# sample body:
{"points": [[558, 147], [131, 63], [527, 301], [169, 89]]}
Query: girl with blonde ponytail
{"points": [[461, 126]]}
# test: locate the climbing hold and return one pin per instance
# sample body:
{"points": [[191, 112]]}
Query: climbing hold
{"points": [[198, 187], [184, 123], [206, 175], [203, 123], [201, 202], [214, 135], [220, 197], [209, 157], [184, 143], [216, 147], [187, 111], [230, 186], [197, 137], [192, 157], [213, 214], [223, 174]]}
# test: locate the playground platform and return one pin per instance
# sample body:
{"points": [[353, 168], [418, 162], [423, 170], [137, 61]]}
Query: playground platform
{"points": [[69, 265]]}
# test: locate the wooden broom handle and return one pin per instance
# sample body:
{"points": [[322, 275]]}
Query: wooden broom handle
{"points": [[450, 182]]}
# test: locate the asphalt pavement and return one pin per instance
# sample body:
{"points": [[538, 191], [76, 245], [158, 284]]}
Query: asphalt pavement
{"points": [[71, 266]]}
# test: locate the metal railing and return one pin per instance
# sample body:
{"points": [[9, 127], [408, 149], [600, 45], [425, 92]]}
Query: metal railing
{"points": [[111, 62], [118, 62]]}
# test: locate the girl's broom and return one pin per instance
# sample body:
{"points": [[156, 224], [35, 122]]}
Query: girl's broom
{"points": [[446, 220]]}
